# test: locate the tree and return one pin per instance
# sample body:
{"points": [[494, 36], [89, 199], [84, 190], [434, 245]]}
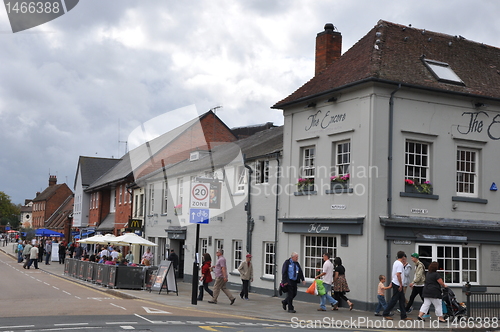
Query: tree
{"points": [[9, 212]]}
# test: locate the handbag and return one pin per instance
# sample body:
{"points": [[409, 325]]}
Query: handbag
{"points": [[283, 289], [312, 289]]}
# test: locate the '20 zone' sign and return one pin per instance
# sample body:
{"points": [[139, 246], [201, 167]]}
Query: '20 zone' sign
{"points": [[199, 195]]}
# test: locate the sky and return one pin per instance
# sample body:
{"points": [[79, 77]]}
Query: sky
{"points": [[80, 84]]}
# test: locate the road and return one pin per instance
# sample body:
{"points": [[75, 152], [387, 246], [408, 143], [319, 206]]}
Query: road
{"points": [[34, 300]]}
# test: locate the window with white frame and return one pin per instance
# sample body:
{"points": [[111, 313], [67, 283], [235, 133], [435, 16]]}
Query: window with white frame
{"points": [[237, 253], [269, 253], [467, 172], [120, 199], [458, 264], [308, 162], [141, 205], [262, 171], [164, 202], [151, 198], [136, 206], [314, 248], [241, 178], [417, 161], [112, 204], [203, 246], [342, 158]]}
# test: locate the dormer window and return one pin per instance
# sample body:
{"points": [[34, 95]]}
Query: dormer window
{"points": [[443, 72]]}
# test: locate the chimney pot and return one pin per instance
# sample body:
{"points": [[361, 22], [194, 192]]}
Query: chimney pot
{"points": [[52, 180], [328, 48]]}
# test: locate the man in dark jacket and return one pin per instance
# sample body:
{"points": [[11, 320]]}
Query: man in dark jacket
{"points": [[291, 275]]}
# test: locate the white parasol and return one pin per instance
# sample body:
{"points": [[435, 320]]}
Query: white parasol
{"points": [[131, 239]]}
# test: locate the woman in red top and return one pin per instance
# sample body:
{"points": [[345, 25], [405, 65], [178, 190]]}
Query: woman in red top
{"points": [[206, 276]]}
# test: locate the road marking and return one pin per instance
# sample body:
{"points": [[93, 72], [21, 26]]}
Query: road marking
{"points": [[128, 327], [120, 323], [155, 311], [118, 306], [66, 292], [55, 287], [46, 283], [147, 320], [71, 324]]}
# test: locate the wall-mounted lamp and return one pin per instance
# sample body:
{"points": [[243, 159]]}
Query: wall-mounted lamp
{"points": [[263, 218], [479, 105], [219, 218], [311, 104], [331, 100]]}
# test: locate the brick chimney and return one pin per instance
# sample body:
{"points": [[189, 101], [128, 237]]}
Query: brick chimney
{"points": [[52, 180], [328, 48]]}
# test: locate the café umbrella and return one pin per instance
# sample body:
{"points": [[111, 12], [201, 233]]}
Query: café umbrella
{"points": [[131, 239]]}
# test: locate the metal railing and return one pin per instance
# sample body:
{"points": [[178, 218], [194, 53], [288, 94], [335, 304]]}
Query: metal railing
{"points": [[481, 303]]}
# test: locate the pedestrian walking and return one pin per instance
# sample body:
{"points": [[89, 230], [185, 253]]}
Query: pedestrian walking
{"points": [[26, 253], [417, 285], [381, 288], [432, 293], [62, 253], [246, 274], [291, 276], [33, 257], [20, 249], [206, 276], [221, 278], [48, 251], [397, 289], [327, 276], [340, 285]]}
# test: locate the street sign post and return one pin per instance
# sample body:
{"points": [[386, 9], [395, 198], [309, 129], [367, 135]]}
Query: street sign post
{"points": [[199, 213]]}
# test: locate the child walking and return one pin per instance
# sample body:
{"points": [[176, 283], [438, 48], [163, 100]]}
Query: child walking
{"points": [[381, 295]]}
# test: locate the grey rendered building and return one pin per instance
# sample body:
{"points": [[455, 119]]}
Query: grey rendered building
{"points": [[411, 120]]}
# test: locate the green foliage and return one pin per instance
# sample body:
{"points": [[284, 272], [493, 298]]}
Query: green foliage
{"points": [[9, 212]]}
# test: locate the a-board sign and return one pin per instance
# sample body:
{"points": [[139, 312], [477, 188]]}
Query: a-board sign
{"points": [[164, 278]]}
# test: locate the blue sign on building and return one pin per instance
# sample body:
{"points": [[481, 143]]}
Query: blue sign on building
{"points": [[199, 216]]}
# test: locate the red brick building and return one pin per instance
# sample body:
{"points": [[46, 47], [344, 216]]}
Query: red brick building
{"points": [[47, 202]]}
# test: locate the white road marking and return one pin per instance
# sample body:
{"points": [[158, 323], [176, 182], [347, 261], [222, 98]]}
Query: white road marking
{"points": [[66, 292], [55, 287], [128, 327], [147, 320], [155, 311], [117, 306], [119, 323], [71, 324]]}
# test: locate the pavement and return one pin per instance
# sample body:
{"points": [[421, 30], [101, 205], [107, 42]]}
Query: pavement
{"points": [[257, 307]]}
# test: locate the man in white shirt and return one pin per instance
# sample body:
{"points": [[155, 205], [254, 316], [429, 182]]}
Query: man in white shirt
{"points": [[397, 288], [327, 277]]}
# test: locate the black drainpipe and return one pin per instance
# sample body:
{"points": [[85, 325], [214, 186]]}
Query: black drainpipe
{"points": [[248, 208], [389, 173], [275, 267]]}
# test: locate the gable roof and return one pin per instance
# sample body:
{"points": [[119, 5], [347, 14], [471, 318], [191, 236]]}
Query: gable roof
{"points": [[118, 173], [93, 167], [57, 219], [393, 53], [262, 144], [50, 191]]}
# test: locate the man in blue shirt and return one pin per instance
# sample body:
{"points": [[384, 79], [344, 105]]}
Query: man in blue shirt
{"points": [[291, 275]]}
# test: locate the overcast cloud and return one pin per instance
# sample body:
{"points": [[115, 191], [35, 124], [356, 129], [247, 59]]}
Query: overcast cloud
{"points": [[82, 82]]}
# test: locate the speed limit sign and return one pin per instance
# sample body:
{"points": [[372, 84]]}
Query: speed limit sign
{"points": [[199, 195]]}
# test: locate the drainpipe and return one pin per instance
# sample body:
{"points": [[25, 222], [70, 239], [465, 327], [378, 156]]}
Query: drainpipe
{"points": [[248, 208], [275, 267], [389, 172]]}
